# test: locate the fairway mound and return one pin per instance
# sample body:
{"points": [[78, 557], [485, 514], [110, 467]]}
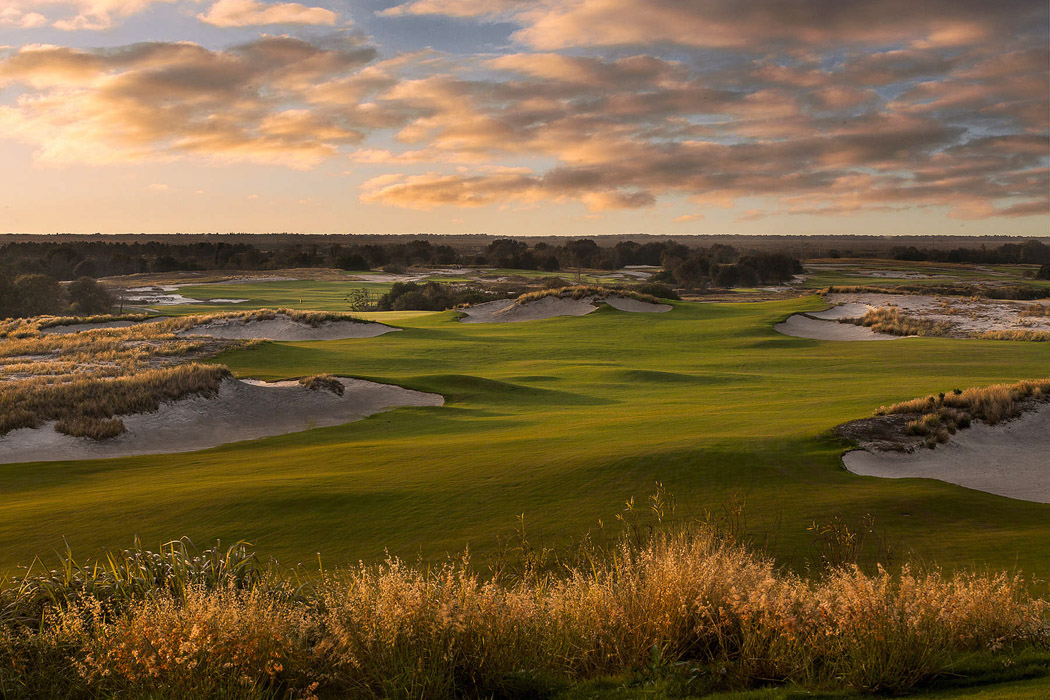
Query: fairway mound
{"points": [[511, 311], [817, 328], [241, 410], [283, 327], [1008, 459]]}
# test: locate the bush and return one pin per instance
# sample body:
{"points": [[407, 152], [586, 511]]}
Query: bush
{"points": [[86, 296], [655, 289]]}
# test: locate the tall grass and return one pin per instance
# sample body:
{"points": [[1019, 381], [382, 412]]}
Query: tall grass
{"points": [[941, 415], [580, 291], [84, 380], [891, 320], [82, 406], [690, 603]]}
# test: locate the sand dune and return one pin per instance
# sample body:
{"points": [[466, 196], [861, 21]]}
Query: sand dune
{"points": [[284, 328], [510, 311], [242, 410], [1009, 459]]}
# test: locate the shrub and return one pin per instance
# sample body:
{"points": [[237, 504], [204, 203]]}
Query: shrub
{"points": [[324, 382]]}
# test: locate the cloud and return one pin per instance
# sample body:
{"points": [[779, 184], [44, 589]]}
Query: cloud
{"points": [[22, 19], [73, 15], [247, 13], [736, 24], [162, 100]]}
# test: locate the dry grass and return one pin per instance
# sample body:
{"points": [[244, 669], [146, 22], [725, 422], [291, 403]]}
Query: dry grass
{"points": [[55, 321], [82, 404], [580, 291], [890, 320], [691, 604], [1012, 334], [943, 414], [1035, 311], [324, 382]]}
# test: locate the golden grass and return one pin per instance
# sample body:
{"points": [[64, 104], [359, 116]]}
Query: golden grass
{"points": [[1015, 334], [890, 320], [580, 291], [324, 382], [693, 604], [942, 414], [1035, 311], [80, 404]]}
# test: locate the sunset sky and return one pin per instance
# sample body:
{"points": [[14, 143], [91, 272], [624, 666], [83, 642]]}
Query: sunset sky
{"points": [[574, 117]]}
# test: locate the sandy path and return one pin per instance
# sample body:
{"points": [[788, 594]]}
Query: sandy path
{"points": [[803, 326], [509, 311], [241, 411], [1010, 459], [284, 328]]}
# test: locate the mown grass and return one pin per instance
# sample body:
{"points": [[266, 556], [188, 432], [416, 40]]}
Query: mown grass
{"points": [[690, 604]]}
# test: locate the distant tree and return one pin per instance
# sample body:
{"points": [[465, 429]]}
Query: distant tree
{"points": [[8, 297], [37, 295], [352, 261], [1043, 273], [86, 296]]}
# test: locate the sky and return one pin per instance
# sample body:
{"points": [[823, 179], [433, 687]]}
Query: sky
{"points": [[525, 117]]}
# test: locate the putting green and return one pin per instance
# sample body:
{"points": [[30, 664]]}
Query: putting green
{"points": [[561, 420]]}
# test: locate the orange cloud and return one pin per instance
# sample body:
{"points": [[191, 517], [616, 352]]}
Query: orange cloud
{"points": [[248, 13]]}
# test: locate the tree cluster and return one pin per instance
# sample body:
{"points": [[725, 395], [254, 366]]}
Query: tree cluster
{"points": [[38, 295]]}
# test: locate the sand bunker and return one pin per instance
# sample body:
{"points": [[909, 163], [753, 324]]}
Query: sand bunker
{"points": [[284, 328], [1009, 459], [806, 326], [509, 311], [80, 327], [966, 315], [242, 410]]}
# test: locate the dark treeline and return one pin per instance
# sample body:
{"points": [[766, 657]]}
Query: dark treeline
{"points": [[1028, 253], [68, 260], [37, 295]]}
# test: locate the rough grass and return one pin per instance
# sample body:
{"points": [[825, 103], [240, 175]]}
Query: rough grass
{"points": [[580, 291], [83, 380], [941, 415], [1035, 311], [178, 623], [80, 405], [324, 382], [890, 320], [54, 321]]}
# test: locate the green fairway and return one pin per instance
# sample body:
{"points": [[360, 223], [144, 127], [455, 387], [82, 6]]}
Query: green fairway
{"points": [[560, 420]]}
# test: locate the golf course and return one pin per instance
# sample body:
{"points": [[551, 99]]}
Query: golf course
{"points": [[559, 421]]}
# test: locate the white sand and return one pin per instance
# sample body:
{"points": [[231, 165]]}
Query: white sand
{"points": [[1011, 459], [966, 315], [240, 411], [841, 311], [509, 311], [284, 328], [636, 306], [79, 327], [802, 326]]}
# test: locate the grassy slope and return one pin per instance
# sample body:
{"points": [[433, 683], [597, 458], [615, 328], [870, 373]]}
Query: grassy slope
{"points": [[559, 419]]}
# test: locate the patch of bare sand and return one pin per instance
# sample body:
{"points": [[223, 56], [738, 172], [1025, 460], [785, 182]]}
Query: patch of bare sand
{"points": [[284, 328], [240, 411], [79, 327], [1009, 459], [509, 311], [805, 326]]}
